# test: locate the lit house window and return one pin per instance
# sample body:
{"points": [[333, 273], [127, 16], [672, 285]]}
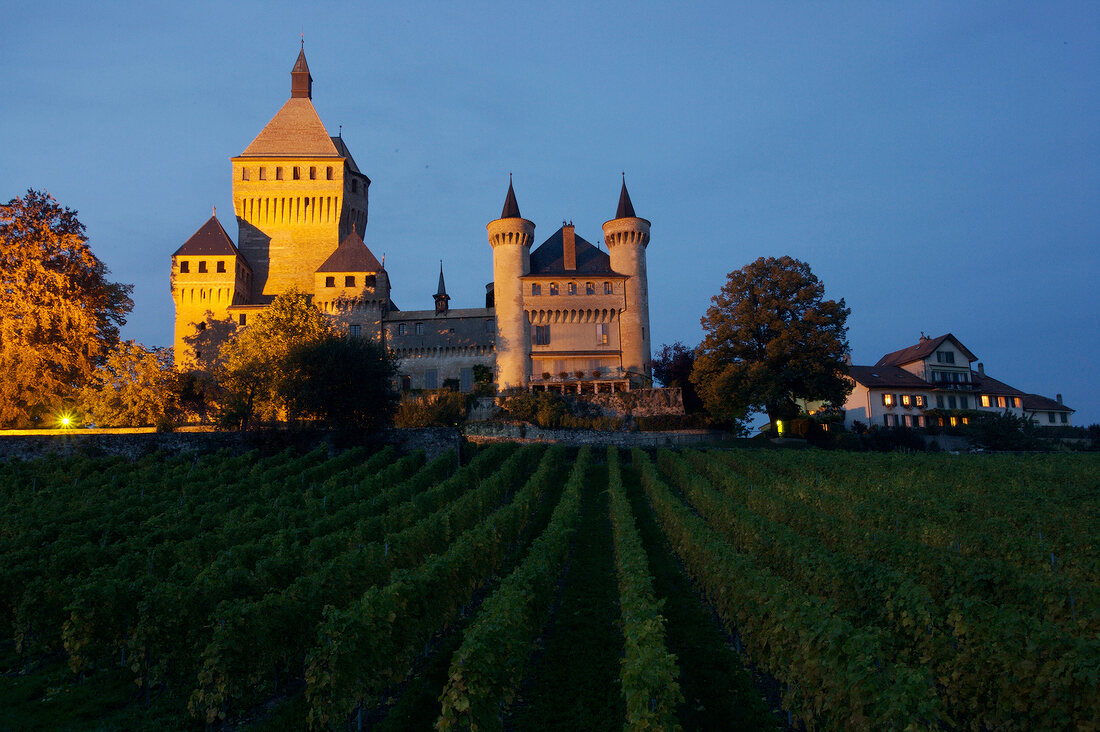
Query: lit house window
{"points": [[887, 400], [536, 289], [1001, 402], [553, 288], [954, 421], [985, 400], [906, 400], [542, 335], [1016, 402], [420, 329], [589, 288], [918, 399]]}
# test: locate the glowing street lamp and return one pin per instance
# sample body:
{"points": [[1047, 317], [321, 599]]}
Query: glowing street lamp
{"points": [[65, 421]]}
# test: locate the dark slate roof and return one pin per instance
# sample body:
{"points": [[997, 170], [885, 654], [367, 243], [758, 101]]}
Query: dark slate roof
{"points": [[989, 385], [351, 256], [886, 377], [209, 240], [511, 207], [1039, 403], [549, 258], [921, 351], [442, 289], [342, 148], [626, 208]]}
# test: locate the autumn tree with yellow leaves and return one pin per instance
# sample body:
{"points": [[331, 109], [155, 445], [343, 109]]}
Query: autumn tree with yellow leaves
{"points": [[59, 314]]}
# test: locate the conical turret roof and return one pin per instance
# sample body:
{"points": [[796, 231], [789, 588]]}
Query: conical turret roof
{"points": [[626, 208], [442, 289], [511, 206]]}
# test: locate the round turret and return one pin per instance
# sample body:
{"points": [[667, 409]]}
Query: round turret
{"points": [[626, 237], [511, 236]]}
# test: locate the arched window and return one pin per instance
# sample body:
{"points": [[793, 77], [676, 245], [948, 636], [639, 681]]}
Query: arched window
{"points": [[553, 288]]}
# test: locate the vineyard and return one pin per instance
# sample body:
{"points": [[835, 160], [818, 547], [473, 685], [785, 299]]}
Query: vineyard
{"points": [[545, 587]]}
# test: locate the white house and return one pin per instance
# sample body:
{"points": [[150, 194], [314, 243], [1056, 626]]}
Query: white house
{"points": [[934, 382]]}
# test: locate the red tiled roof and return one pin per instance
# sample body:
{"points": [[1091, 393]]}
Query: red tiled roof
{"points": [[1039, 403], [886, 377], [921, 351], [209, 240], [351, 256]]}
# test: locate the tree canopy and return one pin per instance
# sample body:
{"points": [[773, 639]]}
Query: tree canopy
{"points": [[672, 365], [59, 314], [771, 339], [134, 387], [254, 361]]}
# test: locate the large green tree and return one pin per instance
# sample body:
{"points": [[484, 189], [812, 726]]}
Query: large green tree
{"points": [[340, 381], [134, 387], [771, 340], [254, 361], [59, 314]]}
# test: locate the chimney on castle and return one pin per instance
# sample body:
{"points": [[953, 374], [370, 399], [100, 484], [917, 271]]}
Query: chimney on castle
{"points": [[569, 246]]}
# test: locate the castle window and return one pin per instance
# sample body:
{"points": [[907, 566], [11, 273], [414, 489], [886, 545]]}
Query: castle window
{"points": [[185, 266], [313, 172], [589, 288], [244, 173], [572, 288], [536, 289], [278, 173], [402, 329], [370, 280], [349, 281], [263, 173], [553, 288], [328, 173], [420, 329], [354, 185], [542, 335], [297, 173], [430, 379], [607, 288], [330, 282], [355, 330], [601, 334], [406, 383], [202, 265], [221, 266], [489, 326], [242, 319]]}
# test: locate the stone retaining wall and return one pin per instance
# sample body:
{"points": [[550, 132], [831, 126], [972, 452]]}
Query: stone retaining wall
{"points": [[520, 432]]}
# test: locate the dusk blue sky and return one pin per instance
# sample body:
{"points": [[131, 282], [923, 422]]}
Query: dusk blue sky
{"points": [[936, 164]]}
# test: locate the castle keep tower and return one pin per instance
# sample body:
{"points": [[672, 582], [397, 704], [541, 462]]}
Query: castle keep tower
{"points": [[626, 237], [296, 191], [510, 236]]}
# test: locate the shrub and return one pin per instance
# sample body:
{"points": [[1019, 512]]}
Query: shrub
{"points": [[431, 409]]}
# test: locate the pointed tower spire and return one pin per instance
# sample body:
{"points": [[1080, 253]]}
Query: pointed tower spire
{"points": [[511, 207], [626, 208], [442, 299], [301, 83]]}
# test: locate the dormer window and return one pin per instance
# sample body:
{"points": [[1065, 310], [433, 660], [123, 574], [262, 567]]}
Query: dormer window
{"points": [[185, 266], [945, 357]]}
